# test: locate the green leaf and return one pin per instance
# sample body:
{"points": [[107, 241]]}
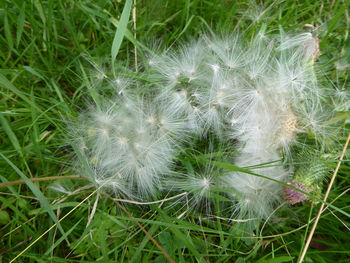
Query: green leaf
{"points": [[119, 34], [11, 135], [40, 10], [8, 33], [20, 24]]}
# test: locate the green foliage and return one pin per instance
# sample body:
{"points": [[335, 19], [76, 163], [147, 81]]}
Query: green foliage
{"points": [[45, 81]]}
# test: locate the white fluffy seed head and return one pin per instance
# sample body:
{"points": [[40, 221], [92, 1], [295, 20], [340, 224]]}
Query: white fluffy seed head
{"points": [[199, 187], [261, 94], [305, 44], [131, 139], [341, 99], [228, 50], [256, 196], [285, 134]]}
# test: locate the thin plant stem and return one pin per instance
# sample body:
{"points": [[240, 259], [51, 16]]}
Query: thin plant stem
{"points": [[51, 227], [134, 27], [324, 201], [41, 179]]}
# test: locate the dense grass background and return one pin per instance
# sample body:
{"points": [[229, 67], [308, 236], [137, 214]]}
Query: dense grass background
{"points": [[44, 79]]}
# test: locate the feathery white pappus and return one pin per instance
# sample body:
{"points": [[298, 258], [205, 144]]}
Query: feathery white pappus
{"points": [[129, 145], [259, 94], [253, 196]]}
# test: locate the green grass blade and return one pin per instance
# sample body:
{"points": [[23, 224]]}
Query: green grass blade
{"points": [[40, 10], [36, 191], [232, 167], [12, 136], [145, 240], [8, 33], [119, 34], [20, 24], [62, 238]]}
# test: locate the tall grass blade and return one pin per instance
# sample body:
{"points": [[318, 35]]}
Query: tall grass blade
{"points": [[119, 34]]}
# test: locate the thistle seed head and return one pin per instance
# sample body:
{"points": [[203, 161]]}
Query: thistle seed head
{"points": [[293, 196]]}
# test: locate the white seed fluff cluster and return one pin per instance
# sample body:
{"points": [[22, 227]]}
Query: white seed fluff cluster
{"points": [[256, 96]]}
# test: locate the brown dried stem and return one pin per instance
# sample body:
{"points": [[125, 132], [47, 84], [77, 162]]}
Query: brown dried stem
{"points": [[41, 179]]}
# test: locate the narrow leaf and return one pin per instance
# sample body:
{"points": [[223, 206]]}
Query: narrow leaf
{"points": [[119, 34], [20, 24], [8, 34], [12, 136]]}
